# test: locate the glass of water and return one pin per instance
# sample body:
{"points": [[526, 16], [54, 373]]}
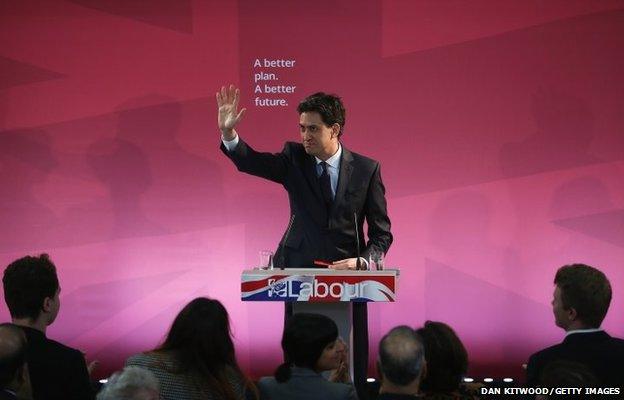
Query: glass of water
{"points": [[266, 259]]}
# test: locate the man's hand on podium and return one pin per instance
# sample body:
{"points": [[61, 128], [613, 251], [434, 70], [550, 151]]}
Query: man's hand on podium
{"points": [[347, 263]]}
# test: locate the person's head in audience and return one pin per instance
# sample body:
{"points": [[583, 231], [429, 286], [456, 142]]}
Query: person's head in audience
{"points": [[13, 368], [201, 341], [31, 291], [401, 361], [447, 359], [309, 341], [131, 383], [581, 298]]}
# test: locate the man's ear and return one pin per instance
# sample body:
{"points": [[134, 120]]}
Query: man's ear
{"points": [[335, 130], [47, 304], [572, 314]]}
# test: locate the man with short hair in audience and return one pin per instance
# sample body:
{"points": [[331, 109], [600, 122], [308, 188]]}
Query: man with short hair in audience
{"points": [[14, 378], [131, 383], [31, 291], [580, 303], [400, 364]]}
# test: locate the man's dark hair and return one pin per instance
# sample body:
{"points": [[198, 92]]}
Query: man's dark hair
{"points": [[585, 289], [12, 352], [27, 282], [401, 356], [329, 106], [447, 359]]}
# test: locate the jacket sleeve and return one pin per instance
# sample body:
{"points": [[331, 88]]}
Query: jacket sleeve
{"points": [[376, 212], [80, 382], [271, 166]]}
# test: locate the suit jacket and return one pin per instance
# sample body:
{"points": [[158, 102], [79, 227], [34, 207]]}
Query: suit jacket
{"points": [[304, 384], [601, 353], [56, 371], [313, 231]]}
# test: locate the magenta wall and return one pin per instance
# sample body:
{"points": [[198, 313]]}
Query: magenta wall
{"points": [[499, 126]]}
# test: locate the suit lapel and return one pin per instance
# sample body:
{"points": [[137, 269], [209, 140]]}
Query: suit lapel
{"points": [[344, 177]]}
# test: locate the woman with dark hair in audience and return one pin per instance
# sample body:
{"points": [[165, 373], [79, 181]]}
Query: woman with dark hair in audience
{"points": [[447, 363], [197, 359], [311, 346]]}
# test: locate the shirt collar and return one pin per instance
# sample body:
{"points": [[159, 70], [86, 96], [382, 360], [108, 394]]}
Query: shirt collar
{"points": [[333, 161], [592, 330]]}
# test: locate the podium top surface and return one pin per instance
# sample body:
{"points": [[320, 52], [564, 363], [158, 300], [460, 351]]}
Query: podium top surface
{"points": [[320, 272]]}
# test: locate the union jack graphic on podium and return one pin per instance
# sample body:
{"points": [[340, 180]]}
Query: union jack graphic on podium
{"points": [[319, 286]]}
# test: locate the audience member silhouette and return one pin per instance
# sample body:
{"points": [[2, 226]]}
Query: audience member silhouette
{"points": [[447, 362], [31, 291], [14, 377], [401, 364], [197, 359], [311, 346], [580, 303]]}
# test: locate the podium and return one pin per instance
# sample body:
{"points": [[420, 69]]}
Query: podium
{"points": [[322, 291]]}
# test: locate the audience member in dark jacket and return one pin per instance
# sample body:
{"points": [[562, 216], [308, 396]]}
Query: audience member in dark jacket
{"points": [[31, 291], [580, 303]]}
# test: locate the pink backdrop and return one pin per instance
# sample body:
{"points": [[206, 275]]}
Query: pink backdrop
{"points": [[499, 126]]}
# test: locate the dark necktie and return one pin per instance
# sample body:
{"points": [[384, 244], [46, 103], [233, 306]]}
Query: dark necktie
{"points": [[326, 190]]}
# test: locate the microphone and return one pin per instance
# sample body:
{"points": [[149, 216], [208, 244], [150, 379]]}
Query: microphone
{"points": [[284, 240], [358, 262]]}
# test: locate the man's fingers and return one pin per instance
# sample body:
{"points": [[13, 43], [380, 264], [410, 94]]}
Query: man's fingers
{"points": [[219, 101], [236, 98], [223, 94], [231, 93], [340, 265], [240, 115]]}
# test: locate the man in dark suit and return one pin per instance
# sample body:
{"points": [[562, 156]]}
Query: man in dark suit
{"points": [[331, 191], [14, 378], [580, 303], [31, 291], [401, 364]]}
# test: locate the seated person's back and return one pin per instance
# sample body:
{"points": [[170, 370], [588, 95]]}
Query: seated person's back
{"points": [[447, 363], [197, 359], [31, 291]]}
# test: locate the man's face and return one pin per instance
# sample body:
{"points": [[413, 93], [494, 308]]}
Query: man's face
{"points": [[561, 314], [318, 139]]}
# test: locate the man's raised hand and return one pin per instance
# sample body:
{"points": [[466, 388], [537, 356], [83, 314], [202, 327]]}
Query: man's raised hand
{"points": [[229, 116]]}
